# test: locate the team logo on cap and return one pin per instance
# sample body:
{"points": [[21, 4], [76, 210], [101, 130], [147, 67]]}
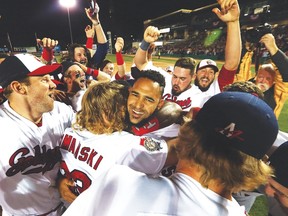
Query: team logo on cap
{"points": [[150, 144], [209, 62], [230, 132]]}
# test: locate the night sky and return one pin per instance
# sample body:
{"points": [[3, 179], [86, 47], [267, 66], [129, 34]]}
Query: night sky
{"points": [[23, 19]]}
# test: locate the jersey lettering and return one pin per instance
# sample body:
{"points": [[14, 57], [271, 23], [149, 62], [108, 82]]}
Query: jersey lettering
{"points": [[85, 154], [43, 161], [183, 103], [150, 126]]}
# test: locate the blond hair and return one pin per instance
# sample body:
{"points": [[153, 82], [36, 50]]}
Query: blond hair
{"points": [[102, 103]]}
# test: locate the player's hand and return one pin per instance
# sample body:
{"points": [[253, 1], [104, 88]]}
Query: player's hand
{"points": [[229, 12], [151, 34], [119, 44], [47, 43], [62, 96], [90, 32], [94, 18], [269, 41], [65, 192]]}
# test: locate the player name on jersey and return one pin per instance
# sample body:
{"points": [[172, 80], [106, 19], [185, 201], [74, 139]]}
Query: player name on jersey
{"points": [[85, 154]]}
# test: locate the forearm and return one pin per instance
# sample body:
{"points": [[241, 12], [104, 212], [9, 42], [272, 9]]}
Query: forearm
{"points": [[281, 61], [99, 55], [121, 65], [233, 46], [140, 58], [101, 37]]}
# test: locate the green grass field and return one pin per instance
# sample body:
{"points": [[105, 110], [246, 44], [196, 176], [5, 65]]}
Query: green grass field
{"points": [[165, 61]]}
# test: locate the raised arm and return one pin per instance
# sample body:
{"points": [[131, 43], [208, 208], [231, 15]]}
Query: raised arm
{"points": [[119, 58], [102, 44], [151, 34], [48, 46], [278, 57], [230, 13]]}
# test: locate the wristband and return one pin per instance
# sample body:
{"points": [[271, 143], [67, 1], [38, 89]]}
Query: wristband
{"points": [[89, 43], [144, 45], [47, 54], [119, 58], [118, 77], [92, 72]]}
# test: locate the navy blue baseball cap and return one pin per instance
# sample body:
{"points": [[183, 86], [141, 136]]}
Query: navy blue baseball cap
{"points": [[241, 120]]}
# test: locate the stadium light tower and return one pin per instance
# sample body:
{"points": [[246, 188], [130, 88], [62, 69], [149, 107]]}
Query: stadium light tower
{"points": [[68, 4]]}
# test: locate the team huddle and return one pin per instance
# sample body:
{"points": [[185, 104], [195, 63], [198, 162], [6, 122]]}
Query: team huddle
{"points": [[82, 140]]}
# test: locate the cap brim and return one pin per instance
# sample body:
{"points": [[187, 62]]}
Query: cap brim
{"points": [[215, 68], [47, 69]]}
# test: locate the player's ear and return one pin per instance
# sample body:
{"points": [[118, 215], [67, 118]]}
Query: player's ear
{"points": [[160, 104], [194, 76], [18, 87]]}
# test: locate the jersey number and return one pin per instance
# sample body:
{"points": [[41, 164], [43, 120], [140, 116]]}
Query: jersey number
{"points": [[82, 181]]}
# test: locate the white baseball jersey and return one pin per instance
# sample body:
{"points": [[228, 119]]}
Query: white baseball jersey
{"points": [[30, 159], [86, 155], [76, 100], [194, 97], [122, 191]]}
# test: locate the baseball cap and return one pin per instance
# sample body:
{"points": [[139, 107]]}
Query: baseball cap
{"points": [[241, 120], [279, 161], [169, 69], [207, 63], [21, 65]]}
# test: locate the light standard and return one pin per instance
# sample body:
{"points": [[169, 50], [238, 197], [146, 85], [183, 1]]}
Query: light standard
{"points": [[68, 4]]}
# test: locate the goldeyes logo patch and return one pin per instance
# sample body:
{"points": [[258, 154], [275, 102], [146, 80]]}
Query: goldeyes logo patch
{"points": [[230, 132]]}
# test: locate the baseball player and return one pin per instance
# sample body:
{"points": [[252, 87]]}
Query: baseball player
{"points": [[219, 153], [97, 140], [32, 125], [178, 85]]}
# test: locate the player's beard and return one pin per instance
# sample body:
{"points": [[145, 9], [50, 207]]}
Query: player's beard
{"points": [[177, 93], [203, 89]]}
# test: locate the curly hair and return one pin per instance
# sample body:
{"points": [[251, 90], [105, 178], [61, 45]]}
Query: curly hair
{"points": [[245, 86], [71, 52], [102, 103], [234, 169]]}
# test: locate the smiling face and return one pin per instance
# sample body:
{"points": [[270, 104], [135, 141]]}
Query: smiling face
{"points": [[204, 78], [75, 78], [80, 55], [109, 68], [144, 99]]}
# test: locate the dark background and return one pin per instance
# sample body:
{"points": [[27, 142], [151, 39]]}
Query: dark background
{"points": [[23, 20]]}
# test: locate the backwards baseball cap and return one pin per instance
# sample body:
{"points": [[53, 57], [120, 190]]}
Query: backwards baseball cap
{"points": [[21, 65], [240, 120], [207, 63], [279, 161]]}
